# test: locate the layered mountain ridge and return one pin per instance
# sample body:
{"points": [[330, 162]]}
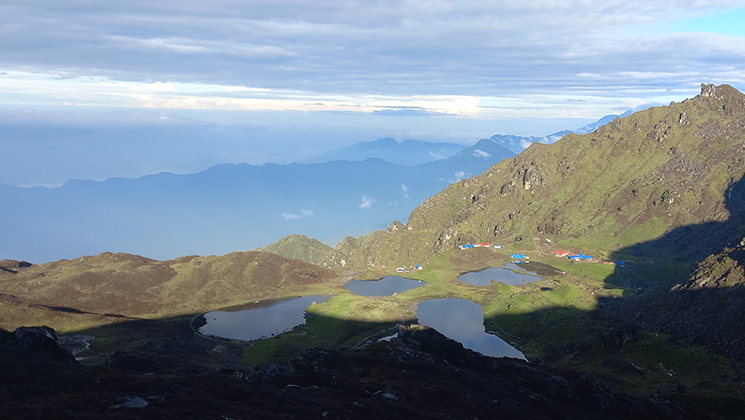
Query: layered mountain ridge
{"points": [[224, 208]]}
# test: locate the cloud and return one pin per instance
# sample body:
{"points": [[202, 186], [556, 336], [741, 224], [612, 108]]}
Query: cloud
{"points": [[366, 202], [404, 112], [481, 153], [466, 49], [405, 190], [436, 156], [459, 175], [525, 143], [293, 216]]}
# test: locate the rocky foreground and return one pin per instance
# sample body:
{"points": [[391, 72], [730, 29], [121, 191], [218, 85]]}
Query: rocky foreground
{"points": [[418, 374]]}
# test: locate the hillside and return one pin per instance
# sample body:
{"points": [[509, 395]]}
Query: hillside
{"points": [[605, 192], [130, 285], [299, 247]]}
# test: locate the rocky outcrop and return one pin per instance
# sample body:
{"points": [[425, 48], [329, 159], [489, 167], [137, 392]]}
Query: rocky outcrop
{"points": [[34, 342], [12, 266]]}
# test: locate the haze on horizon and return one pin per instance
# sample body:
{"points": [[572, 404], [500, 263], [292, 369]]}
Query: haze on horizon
{"points": [[92, 90]]}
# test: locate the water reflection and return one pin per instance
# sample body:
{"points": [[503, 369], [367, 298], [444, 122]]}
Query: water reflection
{"points": [[463, 321], [259, 320], [536, 268], [383, 287], [505, 275]]}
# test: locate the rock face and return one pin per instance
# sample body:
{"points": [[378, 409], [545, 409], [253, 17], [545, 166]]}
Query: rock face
{"points": [[35, 338], [723, 270], [630, 181], [12, 266]]}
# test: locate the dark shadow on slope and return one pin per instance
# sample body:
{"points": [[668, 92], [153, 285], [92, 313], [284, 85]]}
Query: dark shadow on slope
{"points": [[421, 374], [662, 258], [648, 339], [710, 317], [65, 309]]}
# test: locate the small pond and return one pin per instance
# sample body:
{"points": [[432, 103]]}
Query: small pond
{"points": [[511, 273], [383, 287], [463, 321], [259, 320]]}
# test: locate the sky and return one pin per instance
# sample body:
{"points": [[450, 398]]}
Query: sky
{"points": [[92, 89]]}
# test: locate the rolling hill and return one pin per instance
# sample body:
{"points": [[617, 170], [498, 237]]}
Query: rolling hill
{"points": [[116, 284], [299, 247]]}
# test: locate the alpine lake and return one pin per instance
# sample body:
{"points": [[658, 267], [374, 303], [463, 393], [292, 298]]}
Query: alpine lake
{"points": [[459, 319]]}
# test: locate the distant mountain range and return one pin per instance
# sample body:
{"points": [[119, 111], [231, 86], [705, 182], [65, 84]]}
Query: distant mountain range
{"points": [[225, 208], [407, 152], [415, 152], [351, 191], [519, 143]]}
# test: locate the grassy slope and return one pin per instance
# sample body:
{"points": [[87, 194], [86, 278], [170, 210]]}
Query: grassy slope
{"points": [[299, 247], [129, 285]]}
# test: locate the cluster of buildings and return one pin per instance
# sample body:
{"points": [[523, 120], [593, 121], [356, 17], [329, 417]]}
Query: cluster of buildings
{"points": [[574, 257], [406, 270], [479, 246]]}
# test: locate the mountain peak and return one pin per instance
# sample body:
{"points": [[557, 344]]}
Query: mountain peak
{"points": [[720, 92], [386, 141]]}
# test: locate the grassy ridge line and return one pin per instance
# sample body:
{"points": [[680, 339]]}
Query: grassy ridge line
{"points": [[130, 285], [630, 181], [299, 247]]}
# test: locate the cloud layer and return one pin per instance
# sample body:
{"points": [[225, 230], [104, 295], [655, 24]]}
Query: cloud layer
{"points": [[357, 53], [292, 216], [258, 81]]}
